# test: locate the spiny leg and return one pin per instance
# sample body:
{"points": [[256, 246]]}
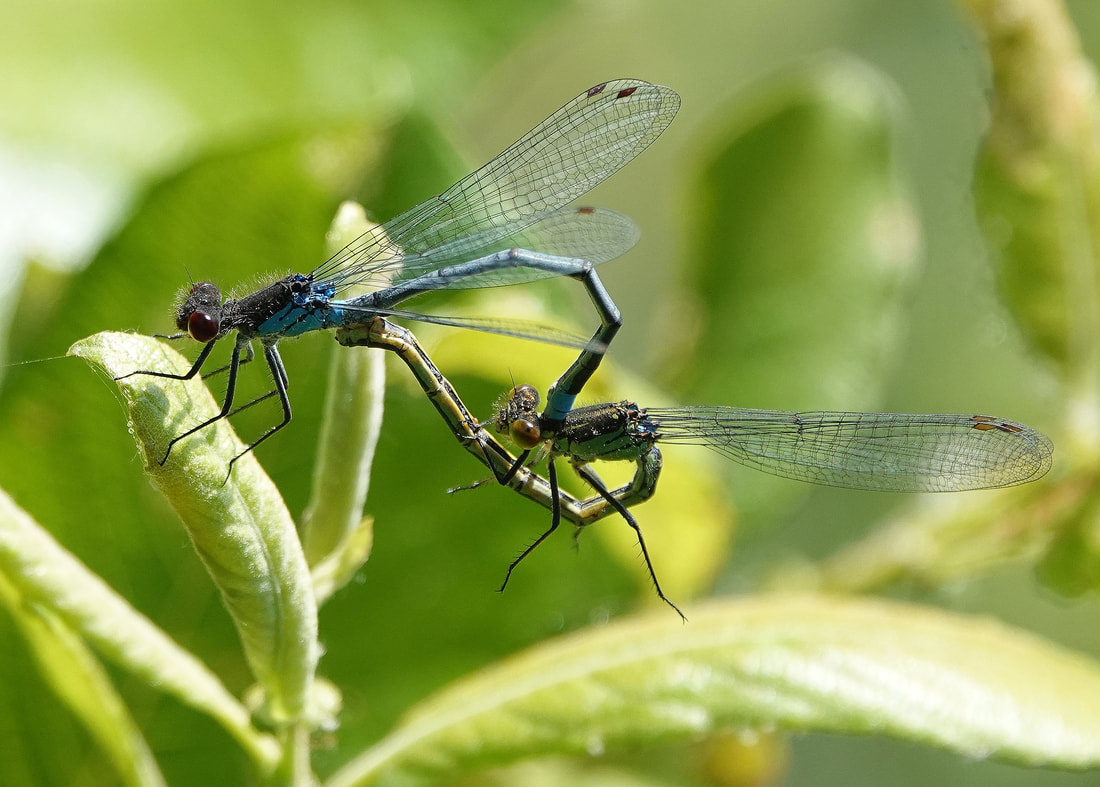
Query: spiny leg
{"points": [[206, 350], [248, 356], [501, 477], [555, 520], [230, 389], [591, 479], [278, 372]]}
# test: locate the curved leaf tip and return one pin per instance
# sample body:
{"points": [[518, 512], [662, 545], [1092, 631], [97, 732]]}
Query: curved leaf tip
{"points": [[238, 522]]}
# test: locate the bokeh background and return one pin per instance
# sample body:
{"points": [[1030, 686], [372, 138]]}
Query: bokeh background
{"points": [[810, 241]]}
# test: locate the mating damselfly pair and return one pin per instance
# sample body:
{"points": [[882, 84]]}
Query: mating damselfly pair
{"points": [[511, 221]]}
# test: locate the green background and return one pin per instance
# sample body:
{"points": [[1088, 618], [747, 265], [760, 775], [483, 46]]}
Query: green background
{"points": [[215, 140]]}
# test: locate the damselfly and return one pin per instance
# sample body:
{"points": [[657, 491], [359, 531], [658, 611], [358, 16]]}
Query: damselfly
{"points": [[502, 224], [890, 452]]}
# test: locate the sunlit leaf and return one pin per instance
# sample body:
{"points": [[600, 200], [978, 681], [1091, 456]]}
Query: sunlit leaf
{"points": [[850, 666], [44, 574], [81, 682], [237, 521]]}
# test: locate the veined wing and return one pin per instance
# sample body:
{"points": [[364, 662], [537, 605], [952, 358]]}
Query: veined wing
{"points": [[592, 234], [878, 451], [520, 329], [562, 158]]}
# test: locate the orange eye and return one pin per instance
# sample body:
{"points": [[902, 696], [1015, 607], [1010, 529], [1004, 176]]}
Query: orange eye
{"points": [[526, 434], [202, 327]]}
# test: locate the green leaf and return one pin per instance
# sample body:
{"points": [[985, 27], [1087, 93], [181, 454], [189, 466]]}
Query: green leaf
{"points": [[1038, 180], [340, 566], [333, 522], [805, 236], [796, 663], [82, 684], [944, 539], [257, 69], [237, 521], [804, 242], [1071, 565], [43, 574]]}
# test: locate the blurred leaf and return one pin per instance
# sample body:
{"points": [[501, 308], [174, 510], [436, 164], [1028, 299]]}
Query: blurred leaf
{"points": [[340, 566], [333, 520], [556, 771], [237, 521], [82, 684], [228, 216], [736, 759], [43, 574], [1038, 179], [121, 82], [851, 666], [805, 238], [944, 539], [1038, 195], [1071, 565]]}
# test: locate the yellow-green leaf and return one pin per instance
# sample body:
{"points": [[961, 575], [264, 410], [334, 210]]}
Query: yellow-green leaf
{"points": [[42, 573], [969, 685], [239, 525]]}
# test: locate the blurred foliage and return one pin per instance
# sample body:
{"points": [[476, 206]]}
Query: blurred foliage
{"points": [[801, 216], [1038, 180], [783, 216]]}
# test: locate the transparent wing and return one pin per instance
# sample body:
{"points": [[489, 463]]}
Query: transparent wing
{"points": [[877, 451], [559, 160], [592, 234], [520, 329]]}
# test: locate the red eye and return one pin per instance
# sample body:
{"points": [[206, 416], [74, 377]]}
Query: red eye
{"points": [[202, 327], [525, 433]]}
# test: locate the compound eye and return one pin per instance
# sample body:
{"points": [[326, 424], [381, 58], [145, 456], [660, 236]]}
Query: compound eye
{"points": [[202, 327], [525, 433]]}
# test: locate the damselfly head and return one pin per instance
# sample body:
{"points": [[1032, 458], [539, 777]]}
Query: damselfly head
{"points": [[200, 314], [517, 416]]}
